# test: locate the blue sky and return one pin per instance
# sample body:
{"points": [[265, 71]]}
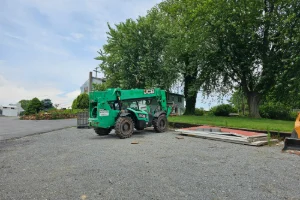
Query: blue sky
{"points": [[48, 47]]}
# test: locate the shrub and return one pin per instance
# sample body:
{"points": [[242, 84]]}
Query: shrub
{"points": [[276, 111], [46, 104], [81, 102], [293, 116], [34, 106], [199, 111], [53, 114], [222, 110], [212, 111]]}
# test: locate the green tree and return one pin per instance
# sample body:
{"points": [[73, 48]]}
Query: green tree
{"points": [[209, 45], [81, 102], [24, 103], [134, 54], [99, 87], [46, 104], [181, 51], [248, 46], [34, 106], [239, 101], [74, 104], [286, 89]]}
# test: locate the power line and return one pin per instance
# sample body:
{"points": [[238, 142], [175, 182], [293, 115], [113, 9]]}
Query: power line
{"points": [[96, 70]]}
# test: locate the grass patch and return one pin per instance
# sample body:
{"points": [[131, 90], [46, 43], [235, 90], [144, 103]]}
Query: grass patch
{"points": [[237, 122]]}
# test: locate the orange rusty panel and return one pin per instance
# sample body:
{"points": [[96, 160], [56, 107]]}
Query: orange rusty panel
{"points": [[240, 132]]}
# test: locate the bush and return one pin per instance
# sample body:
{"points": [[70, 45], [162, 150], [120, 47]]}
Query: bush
{"points": [[293, 116], [33, 107], [81, 102], [46, 104], [277, 111], [53, 114], [222, 110], [199, 111]]}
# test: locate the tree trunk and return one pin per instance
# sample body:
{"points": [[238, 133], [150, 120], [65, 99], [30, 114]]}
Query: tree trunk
{"points": [[190, 97], [190, 77], [243, 105], [253, 103], [190, 105]]}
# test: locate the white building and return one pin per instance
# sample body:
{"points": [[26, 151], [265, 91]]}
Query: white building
{"points": [[85, 87], [12, 110], [178, 101]]}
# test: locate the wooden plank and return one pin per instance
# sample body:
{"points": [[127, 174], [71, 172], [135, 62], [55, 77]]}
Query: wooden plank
{"points": [[216, 138], [214, 135], [226, 138]]}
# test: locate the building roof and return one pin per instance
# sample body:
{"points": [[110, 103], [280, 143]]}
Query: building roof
{"points": [[10, 106], [13, 106]]}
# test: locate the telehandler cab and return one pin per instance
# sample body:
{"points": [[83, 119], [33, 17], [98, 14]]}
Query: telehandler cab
{"points": [[124, 110]]}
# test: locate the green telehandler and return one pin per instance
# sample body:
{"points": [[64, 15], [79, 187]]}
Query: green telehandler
{"points": [[124, 110]]}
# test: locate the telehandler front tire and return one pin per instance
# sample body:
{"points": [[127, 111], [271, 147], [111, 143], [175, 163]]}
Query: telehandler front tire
{"points": [[102, 131], [124, 127], [160, 124]]}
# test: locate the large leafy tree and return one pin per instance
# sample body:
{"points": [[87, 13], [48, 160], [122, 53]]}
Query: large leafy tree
{"points": [[248, 46], [287, 88], [134, 54], [213, 45], [185, 48]]}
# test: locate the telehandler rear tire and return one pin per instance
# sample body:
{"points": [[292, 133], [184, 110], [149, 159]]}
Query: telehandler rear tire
{"points": [[102, 131], [160, 124], [124, 127]]}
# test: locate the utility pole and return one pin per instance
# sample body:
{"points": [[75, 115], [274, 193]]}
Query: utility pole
{"points": [[96, 70], [90, 81]]}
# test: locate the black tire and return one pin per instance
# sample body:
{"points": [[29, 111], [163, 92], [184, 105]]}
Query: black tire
{"points": [[102, 131], [160, 124], [294, 134], [137, 127], [124, 127]]}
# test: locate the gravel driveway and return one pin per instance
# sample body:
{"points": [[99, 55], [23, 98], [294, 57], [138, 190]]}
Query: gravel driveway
{"points": [[12, 127], [77, 164]]}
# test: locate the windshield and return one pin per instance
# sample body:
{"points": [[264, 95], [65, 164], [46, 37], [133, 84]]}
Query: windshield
{"points": [[137, 105]]}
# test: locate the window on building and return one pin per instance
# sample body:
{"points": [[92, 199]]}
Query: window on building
{"points": [[173, 98], [13, 108], [179, 99]]}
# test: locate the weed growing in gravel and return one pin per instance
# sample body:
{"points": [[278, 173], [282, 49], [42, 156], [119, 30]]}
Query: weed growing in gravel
{"points": [[269, 136]]}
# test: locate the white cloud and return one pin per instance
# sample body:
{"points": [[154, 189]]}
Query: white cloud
{"points": [[77, 35], [48, 51], [10, 92]]}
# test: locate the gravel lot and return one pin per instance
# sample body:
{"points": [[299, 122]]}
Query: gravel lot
{"points": [[77, 164], [12, 127]]}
